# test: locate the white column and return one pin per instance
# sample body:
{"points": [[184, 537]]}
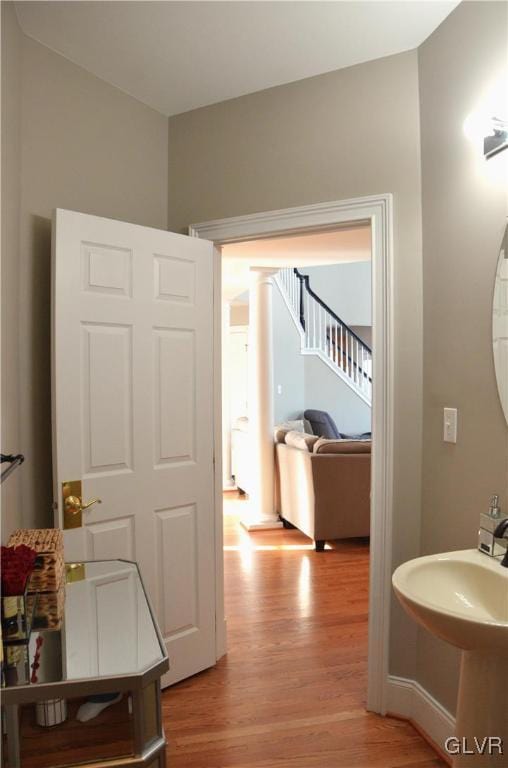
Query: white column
{"points": [[261, 509]]}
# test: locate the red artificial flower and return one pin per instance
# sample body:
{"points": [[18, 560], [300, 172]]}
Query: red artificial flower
{"points": [[16, 566]]}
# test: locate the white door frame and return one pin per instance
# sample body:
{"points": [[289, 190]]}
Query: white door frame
{"points": [[376, 210]]}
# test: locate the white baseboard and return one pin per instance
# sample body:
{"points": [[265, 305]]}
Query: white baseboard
{"points": [[410, 700]]}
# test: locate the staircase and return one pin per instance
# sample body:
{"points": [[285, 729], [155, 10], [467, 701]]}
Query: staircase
{"points": [[324, 334]]}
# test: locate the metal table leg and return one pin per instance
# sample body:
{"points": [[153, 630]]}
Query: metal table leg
{"points": [[12, 730]]}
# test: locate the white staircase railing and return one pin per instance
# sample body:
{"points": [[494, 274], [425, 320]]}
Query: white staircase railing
{"points": [[323, 333]]}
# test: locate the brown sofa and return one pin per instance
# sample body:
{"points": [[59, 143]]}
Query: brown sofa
{"points": [[323, 486]]}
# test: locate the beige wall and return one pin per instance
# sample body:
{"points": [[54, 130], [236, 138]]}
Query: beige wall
{"points": [[288, 382], [73, 141], [89, 147], [464, 214], [348, 133], [10, 433]]}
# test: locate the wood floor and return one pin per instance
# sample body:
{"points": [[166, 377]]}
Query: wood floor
{"points": [[291, 691], [108, 735]]}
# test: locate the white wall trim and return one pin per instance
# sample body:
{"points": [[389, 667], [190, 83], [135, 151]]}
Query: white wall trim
{"points": [[220, 620], [410, 700], [376, 210]]}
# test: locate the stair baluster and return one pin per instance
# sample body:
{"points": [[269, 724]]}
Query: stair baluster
{"points": [[325, 334]]}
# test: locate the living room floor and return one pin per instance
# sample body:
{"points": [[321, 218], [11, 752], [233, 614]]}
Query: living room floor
{"points": [[291, 691]]}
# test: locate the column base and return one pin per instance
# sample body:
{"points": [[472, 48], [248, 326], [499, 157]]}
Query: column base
{"points": [[255, 523]]}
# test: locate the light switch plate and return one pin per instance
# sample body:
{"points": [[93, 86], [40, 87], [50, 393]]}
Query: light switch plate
{"points": [[450, 425]]}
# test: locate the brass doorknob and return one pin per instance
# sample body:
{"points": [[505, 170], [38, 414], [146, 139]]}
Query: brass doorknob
{"points": [[73, 504]]}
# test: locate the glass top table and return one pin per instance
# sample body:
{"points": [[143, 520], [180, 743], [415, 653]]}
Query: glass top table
{"points": [[108, 631], [108, 642]]}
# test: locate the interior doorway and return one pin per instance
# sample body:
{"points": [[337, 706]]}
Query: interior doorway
{"points": [[310, 549], [377, 212], [297, 346]]}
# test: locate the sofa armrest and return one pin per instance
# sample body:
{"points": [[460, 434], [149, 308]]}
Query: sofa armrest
{"points": [[296, 487]]}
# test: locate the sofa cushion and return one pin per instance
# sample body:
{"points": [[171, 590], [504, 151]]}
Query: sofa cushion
{"points": [[301, 440], [281, 430], [342, 446], [322, 424]]}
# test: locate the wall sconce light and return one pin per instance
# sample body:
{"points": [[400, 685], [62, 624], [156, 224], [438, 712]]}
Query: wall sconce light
{"points": [[497, 140]]}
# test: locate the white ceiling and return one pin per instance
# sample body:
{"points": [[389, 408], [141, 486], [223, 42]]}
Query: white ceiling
{"points": [[318, 248], [176, 56]]}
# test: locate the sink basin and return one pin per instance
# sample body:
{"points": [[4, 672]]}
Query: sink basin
{"points": [[461, 597]]}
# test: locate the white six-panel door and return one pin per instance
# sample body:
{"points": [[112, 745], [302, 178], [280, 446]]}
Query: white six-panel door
{"points": [[133, 414]]}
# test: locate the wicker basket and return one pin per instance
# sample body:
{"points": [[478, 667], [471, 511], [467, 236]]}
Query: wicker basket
{"points": [[48, 573], [49, 609]]}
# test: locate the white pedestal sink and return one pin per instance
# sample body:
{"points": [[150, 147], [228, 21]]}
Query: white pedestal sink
{"points": [[462, 597]]}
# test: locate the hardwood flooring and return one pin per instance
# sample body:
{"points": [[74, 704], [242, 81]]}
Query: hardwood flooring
{"points": [[291, 691], [108, 735]]}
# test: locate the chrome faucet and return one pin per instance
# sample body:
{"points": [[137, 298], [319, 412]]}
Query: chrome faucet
{"points": [[501, 532]]}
